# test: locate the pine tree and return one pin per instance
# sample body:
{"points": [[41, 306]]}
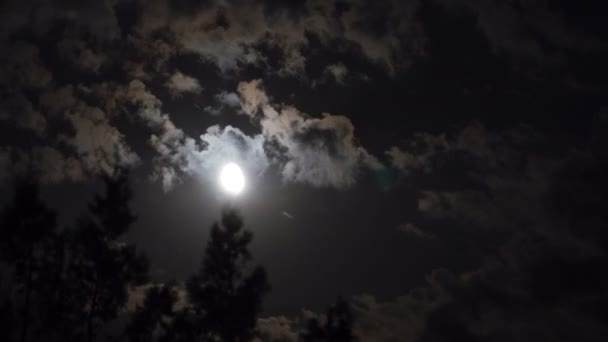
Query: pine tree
{"points": [[28, 231], [226, 293], [102, 267]]}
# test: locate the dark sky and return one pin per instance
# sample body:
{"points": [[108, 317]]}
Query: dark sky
{"points": [[440, 162]]}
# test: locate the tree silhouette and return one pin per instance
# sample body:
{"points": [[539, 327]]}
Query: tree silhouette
{"points": [[101, 267], [150, 320], [225, 295], [28, 234], [6, 320], [338, 326]]}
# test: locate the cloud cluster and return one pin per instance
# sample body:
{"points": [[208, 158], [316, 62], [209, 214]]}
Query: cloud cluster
{"points": [[216, 147], [235, 34], [79, 120], [178, 153], [318, 151], [88, 144], [490, 174], [542, 281], [98, 144]]}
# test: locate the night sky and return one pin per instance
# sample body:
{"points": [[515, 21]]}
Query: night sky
{"points": [[439, 164]]}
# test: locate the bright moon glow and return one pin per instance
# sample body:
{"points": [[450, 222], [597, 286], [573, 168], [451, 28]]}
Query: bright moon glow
{"points": [[232, 178]]}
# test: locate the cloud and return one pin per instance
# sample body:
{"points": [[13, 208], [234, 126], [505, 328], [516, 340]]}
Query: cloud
{"points": [[229, 99], [77, 52], [531, 283], [415, 231], [167, 176], [21, 67], [165, 137], [337, 71], [47, 164], [7, 163], [490, 174], [400, 319], [18, 108], [531, 31], [179, 84], [152, 55], [81, 143], [253, 97], [418, 153], [318, 151], [221, 145], [232, 35], [178, 153], [98, 145], [276, 329], [54, 167], [98, 18], [225, 100], [546, 218]]}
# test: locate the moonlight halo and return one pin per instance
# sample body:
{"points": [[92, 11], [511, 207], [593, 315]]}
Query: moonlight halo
{"points": [[232, 179]]}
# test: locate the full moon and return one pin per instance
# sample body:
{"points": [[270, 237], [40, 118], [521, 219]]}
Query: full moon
{"points": [[232, 178]]}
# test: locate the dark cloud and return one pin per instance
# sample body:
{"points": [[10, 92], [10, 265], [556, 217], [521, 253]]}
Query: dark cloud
{"points": [[49, 164], [74, 49], [490, 174], [39, 17], [21, 66], [417, 156], [99, 145], [544, 281], [89, 145], [228, 34], [532, 30], [19, 108]]}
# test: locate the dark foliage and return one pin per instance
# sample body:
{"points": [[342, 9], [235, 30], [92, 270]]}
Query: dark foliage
{"points": [[28, 247], [226, 294], [338, 326], [101, 267], [224, 297], [151, 319], [63, 284]]}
